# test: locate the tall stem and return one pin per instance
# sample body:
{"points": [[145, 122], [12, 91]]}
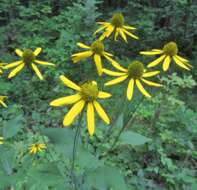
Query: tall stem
{"points": [[124, 127], [77, 132]]}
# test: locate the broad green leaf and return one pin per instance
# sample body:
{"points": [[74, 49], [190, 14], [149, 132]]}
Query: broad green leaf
{"points": [[61, 138], [132, 138], [105, 178], [45, 175], [13, 126]]}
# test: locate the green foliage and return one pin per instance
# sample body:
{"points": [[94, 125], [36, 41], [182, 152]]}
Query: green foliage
{"points": [[158, 148]]}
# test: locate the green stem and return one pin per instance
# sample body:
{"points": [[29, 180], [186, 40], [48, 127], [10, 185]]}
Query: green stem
{"points": [[124, 127], [77, 134]]}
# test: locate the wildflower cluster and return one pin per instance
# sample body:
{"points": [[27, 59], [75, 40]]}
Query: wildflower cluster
{"points": [[88, 93]]}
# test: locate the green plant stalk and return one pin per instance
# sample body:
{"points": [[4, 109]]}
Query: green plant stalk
{"points": [[77, 134], [124, 127]]}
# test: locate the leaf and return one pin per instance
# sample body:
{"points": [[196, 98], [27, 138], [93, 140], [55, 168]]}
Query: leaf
{"points": [[105, 178], [133, 138], [13, 126], [61, 138], [45, 174]]}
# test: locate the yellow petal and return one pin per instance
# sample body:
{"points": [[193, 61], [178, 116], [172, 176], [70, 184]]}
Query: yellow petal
{"points": [[103, 95], [109, 29], [101, 112], [73, 112], [115, 63], [181, 64], [16, 70], [166, 63], [82, 55], [100, 28], [108, 54], [90, 118], [3, 104], [181, 58], [151, 73], [129, 27], [44, 63], [66, 100], [69, 83], [116, 81], [156, 62], [141, 88], [122, 34], [150, 83], [130, 89], [83, 45], [113, 73], [153, 52], [116, 35], [19, 52], [37, 51], [130, 34], [97, 60], [37, 71], [14, 64]]}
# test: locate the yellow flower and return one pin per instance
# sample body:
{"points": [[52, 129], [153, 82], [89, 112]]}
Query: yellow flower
{"points": [[96, 50], [135, 74], [1, 140], [87, 94], [169, 52], [117, 26], [28, 58], [2, 99], [38, 147]]}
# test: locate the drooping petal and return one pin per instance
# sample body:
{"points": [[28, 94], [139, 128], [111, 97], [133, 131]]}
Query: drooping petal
{"points": [[79, 56], [166, 63], [73, 112], [130, 89], [108, 54], [66, 100], [113, 73], [181, 58], [69, 83], [3, 104], [82, 45], [116, 35], [181, 64], [44, 63], [37, 71], [153, 52], [37, 51], [110, 28], [129, 27], [141, 88], [104, 95], [156, 61], [16, 70], [115, 63], [151, 74], [90, 118], [130, 34], [101, 112], [116, 81], [150, 83], [14, 64], [121, 31], [97, 60], [19, 52], [100, 28]]}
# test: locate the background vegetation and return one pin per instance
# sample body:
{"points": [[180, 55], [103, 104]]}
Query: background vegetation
{"points": [[158, 148]]}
